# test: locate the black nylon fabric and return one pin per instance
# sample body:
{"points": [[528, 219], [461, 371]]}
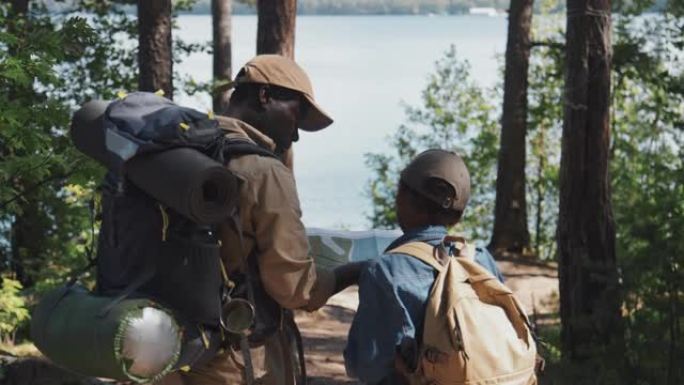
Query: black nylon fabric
{"points": [[144, 122]]}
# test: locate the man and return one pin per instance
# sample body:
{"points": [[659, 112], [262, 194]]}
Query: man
{"points": [[273, 98], [394, 288]]}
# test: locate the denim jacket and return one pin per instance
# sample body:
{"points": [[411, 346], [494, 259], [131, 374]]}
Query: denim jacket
{"points": [[393, 293]]}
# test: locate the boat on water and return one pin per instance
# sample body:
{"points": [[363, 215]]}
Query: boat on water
{"points": [[484, 11]]}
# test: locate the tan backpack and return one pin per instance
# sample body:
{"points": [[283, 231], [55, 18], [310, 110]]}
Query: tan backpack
{"points": [[475, 331]]}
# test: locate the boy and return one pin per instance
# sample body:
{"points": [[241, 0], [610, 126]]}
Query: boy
{"points": [[394, 288]]}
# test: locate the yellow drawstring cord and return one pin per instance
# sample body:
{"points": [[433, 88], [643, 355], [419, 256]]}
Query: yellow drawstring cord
{"points": [[165, 222]]}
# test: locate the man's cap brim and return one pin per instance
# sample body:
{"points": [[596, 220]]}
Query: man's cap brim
{"points": [[316, 119]]}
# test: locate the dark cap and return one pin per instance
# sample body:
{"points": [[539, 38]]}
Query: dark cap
{"points": [[282, 72], [444, 166]]}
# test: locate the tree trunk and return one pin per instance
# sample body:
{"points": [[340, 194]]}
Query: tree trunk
{"points": [[19, 7], [590, 294], [28, 237], [19, 11], [510, 233], [276, 35], [276, 27], [155, 53], [221, 16]]}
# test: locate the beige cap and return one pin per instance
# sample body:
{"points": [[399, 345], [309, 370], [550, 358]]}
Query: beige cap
{"points": [[442, 165], [282, 72]]}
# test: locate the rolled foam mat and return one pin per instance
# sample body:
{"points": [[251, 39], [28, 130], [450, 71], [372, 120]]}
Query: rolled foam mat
{"points": [[136, 340], [188, 181], [88, 134]]}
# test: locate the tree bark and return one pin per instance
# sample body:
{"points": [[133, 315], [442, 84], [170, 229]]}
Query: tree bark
{"points": [[590, 293], [19, 10], [155, 52], [28, 237], [276, 27], [221, 16], [276, 35], [510, 233], [20, 7]]}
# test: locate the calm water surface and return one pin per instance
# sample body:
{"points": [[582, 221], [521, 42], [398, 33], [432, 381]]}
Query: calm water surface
{"points": [[363, 69]]}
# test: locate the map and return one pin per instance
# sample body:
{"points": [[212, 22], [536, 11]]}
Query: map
{"points": [[332, 248]]}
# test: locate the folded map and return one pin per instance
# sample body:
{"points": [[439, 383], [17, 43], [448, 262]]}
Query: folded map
{"points": [[331, 248]]}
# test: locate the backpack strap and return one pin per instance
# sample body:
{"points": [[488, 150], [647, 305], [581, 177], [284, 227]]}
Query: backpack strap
{"points": [[422, 251], [432, 255], [239, 147], [144, 277]]}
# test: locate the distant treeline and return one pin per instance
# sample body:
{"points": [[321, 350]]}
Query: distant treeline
{"points": [[368, 7], [386, 7], [352, 7]]}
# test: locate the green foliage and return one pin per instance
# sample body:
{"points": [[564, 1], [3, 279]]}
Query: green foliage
{"points": [[648, 193], [455, 115], [50, 63], [13, 309], [37, 225]]}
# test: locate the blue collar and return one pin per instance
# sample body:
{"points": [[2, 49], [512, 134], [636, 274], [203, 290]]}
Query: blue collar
{"points": [[429, 234]]}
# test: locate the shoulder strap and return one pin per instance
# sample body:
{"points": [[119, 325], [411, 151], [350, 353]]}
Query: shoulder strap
{"points": [[237, 147], [420, 250], [439, 323]]}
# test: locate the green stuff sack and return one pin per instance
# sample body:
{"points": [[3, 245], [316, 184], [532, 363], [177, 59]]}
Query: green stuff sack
{"points": [[136, 340]]}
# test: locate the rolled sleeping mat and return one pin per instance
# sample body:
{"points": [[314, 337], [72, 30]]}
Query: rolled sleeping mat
{"points": [[191, 183], [136, 340], [88, 133]]}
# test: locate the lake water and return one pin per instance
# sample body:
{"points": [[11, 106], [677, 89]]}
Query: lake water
{"points": [[362, 68]]}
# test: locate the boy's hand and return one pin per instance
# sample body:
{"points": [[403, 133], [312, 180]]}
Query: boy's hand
{"points": [[323, 289], [329, 283], [348, 275], [406, 375]]}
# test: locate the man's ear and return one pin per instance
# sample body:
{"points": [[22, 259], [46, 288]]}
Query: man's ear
{"points": [[264, 95]]}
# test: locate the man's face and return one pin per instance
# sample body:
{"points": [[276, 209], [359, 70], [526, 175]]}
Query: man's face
{"points": [[280, 119]]}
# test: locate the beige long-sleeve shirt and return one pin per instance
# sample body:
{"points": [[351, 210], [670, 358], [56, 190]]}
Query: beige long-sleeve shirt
{"points": [[270, 217]]}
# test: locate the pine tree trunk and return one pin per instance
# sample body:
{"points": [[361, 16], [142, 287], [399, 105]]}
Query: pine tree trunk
{"points": [[19, 7], [590, 294], [510, 233], [19, 11], [155, 53], [28, 238], [276, 35], [221, 16], [276, 27]]}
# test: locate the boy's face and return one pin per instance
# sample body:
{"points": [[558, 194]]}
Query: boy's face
{"points": [[408, 216]]}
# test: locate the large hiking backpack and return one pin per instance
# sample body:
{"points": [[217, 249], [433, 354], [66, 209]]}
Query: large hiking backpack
{"points": [[146, 247], [166, 191], [475, 330]]}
